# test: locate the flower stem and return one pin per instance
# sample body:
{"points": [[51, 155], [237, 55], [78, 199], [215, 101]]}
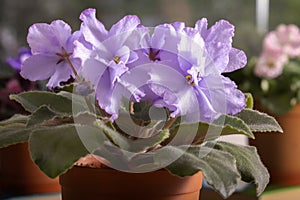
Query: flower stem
{"points": [[169, 123]]}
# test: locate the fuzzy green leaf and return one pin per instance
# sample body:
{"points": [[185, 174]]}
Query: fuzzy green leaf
{"points": [[32, 100], [15, 119], [248, 163], [80, 103], [137, 145], [62, 102], [41, 115], [55, 150], [199, 132], [219, 168], [258, 121], [13, 130]]}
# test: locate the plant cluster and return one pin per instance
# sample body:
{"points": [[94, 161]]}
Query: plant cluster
{"points": [[274, 77], [139, 99]]}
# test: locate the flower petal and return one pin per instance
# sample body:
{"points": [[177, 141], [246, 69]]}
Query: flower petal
{"points": [[201, 26], [62, 31], [218, 44], [92, 70], [41, 39], [121, 31], [92, 29], [62, 73], [237, 60], [38, 67], [223, 94], [127, 23]]}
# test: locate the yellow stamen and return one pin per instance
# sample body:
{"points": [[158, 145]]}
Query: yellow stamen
{"points": [[117, 59], [189, 80]]}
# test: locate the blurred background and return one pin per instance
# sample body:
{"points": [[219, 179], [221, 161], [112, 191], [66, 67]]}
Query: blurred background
{"points": [[16, 16]]}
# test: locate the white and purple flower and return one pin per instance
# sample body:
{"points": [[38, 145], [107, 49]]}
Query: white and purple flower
{"points": [[176, 67]]}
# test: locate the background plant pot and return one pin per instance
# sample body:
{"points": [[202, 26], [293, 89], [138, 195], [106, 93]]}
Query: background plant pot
{"points": [[90, 183], [19, 175], [280, 151]]}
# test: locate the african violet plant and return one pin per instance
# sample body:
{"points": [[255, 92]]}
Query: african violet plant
{"points": [[139, 99]]}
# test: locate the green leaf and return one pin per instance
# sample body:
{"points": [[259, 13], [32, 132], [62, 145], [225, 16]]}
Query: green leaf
{"points": [[14, 134], [199, 132], [248, 163], [41, 115], [219, 168], [15, 119], [13, 130], [80, 103], [258, 121], [63, 102], [55, 150], [136, 145], [32, 100], [233, 124]]}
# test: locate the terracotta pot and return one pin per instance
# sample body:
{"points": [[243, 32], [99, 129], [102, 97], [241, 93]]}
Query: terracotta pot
{"points": [[19, 175], [90, 183], [280, 151]]}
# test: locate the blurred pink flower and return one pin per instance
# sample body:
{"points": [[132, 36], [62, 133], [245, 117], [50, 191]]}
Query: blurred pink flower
{"points": [[278, 46], [270, 64], [286, 39]]}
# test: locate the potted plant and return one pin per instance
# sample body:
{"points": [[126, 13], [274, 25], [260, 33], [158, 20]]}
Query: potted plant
{"points": [[274, 80], [28, 179], [134, 102]]}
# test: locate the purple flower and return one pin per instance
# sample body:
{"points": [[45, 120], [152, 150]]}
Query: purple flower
{"points": [[51, 46], [23, 54], [196, 87], [105, 58]]}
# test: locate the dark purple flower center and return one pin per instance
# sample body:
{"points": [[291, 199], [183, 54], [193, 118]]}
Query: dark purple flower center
{"points": [[153, 54]]}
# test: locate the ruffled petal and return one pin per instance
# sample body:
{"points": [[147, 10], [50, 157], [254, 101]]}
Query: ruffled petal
{"points": [[62, 31], [92, 29], [41, 39], [218, 45], [127, 23], [223, 94], [237, 60], [62, 73], [201, 26], [121, 31]]}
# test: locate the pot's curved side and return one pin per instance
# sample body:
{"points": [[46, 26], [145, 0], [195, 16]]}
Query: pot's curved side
{"points": [[88, 183], [280, 151], [19, 175]]}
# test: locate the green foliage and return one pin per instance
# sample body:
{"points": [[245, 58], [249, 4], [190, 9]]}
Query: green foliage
{"points": [[248, 163], [258, 121], [63, 127]]}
